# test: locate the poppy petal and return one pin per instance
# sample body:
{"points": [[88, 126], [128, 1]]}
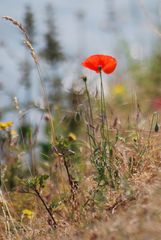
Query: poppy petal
{"points": [[110, 66], [90, 65], [94, 62]]}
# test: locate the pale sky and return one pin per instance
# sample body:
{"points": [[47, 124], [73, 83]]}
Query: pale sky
{"points": [[78, 40]]}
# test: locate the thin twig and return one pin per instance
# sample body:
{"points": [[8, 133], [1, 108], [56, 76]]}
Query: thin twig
{"points": [[46, 207]]}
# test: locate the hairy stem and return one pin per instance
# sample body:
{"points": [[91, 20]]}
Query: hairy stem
{"points": [[70, 179], [46, 207], [105, 134], [91, 113]]}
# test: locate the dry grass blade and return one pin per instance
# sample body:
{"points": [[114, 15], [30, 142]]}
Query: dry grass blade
{"points": [[17, 24], [29, 46], [27, 40], [32, 51]]}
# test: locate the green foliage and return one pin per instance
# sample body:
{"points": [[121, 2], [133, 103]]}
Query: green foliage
{"points": [[24, 132], [52, 51], [147, 75], [99, 197], [25, 64], [56, 93], [29, 23], [36, 182], [45, 152]]}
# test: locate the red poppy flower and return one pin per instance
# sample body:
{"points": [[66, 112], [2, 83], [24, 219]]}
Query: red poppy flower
{"points": [[100, 62]]}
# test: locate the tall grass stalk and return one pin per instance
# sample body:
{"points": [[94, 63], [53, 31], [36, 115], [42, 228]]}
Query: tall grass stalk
{"points": [[91, 120], [29, 46], [105, 128]]}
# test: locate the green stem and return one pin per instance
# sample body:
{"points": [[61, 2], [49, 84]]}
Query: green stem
{"points": [[71, 183], [91, 113], [103, 113], [46, 207]]}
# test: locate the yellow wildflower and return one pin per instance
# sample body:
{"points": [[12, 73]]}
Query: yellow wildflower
{"points": [[72, 137], [5, 125], [28, 213], [13, 133], [118, 89], [9, 124]]}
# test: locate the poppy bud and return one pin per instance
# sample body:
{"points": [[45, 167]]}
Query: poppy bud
{"points": [[156, 129], [46, 117], [84, 78], [99, 68]]}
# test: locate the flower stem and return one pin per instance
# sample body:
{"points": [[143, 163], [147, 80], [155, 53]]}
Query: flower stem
{"points": [[91, 113], [70, 179], [46, 207], [105, 135]]}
